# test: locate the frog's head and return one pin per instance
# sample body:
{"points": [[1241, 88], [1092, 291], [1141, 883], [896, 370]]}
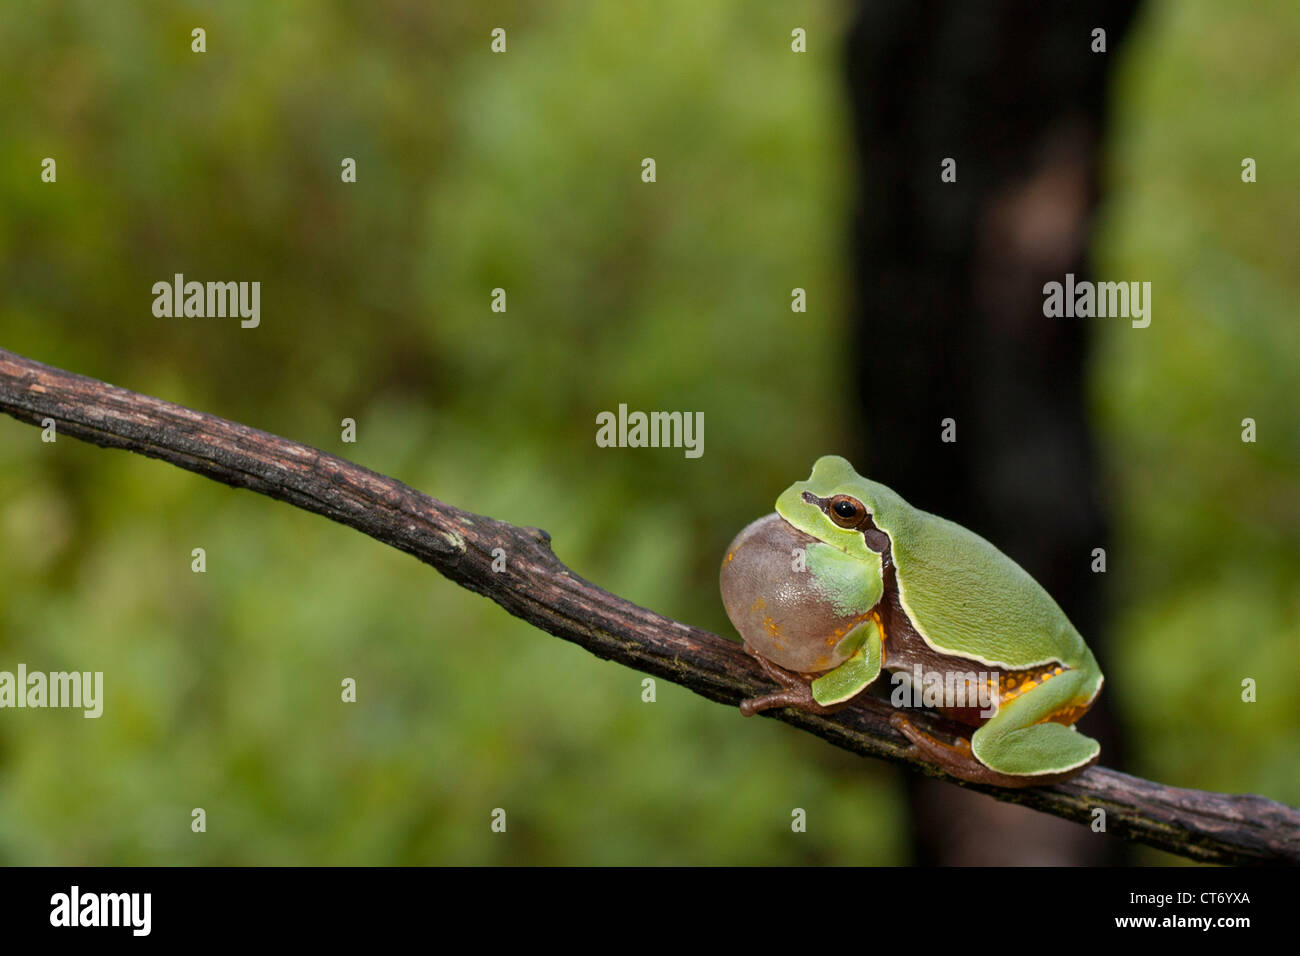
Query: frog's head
{"points": [[835, 506]]}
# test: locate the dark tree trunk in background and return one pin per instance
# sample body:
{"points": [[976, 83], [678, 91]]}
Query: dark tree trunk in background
{"points": [[948, 320]]}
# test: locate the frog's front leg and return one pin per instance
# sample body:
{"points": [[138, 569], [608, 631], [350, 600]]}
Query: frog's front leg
{"points": [[797, 693], [833, 690]]}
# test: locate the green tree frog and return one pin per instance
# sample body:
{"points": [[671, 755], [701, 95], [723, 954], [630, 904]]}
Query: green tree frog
{"points": [[846, 579]]}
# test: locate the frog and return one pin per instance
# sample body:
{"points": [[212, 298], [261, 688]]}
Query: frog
{"points": [[845, 581]]}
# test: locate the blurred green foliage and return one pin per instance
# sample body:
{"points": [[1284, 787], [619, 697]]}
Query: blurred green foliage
{"points": [[522, 171], [1206, 569]]}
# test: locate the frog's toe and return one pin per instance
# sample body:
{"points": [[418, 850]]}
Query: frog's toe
{"points": [[798, 698], [1038, 751]]}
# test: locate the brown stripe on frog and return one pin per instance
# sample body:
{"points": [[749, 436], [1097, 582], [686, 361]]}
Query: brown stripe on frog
{"points": [[875, 539]]}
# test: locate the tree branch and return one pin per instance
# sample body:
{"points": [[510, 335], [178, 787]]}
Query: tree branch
{"points": [[538, 588]]}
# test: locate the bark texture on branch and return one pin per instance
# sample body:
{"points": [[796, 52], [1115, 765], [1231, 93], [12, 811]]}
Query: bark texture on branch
{"points": [[537, 587]]}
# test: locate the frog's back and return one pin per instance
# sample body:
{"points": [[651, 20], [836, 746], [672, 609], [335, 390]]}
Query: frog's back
{"points": [[966, 597]]}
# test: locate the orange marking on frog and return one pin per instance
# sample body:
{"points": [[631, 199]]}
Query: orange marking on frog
{"points": [[1008, 691]]}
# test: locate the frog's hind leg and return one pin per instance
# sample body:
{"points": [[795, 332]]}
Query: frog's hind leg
{"points": [[958, 760], [1024, 737]]}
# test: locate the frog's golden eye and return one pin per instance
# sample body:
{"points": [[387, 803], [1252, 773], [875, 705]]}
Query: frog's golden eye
{"points": [[846, 511]]}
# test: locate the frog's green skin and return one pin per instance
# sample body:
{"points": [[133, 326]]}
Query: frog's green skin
{"points": [[900, 587]]}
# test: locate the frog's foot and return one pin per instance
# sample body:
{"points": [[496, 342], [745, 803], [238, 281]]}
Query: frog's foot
{"points": [[797, 693], [961, 763]]}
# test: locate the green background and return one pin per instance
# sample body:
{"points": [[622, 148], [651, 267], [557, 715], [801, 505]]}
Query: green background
{"points": [[522, 171]]}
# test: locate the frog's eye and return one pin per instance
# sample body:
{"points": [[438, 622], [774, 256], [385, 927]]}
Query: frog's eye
{"points": [[845, 511]]}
